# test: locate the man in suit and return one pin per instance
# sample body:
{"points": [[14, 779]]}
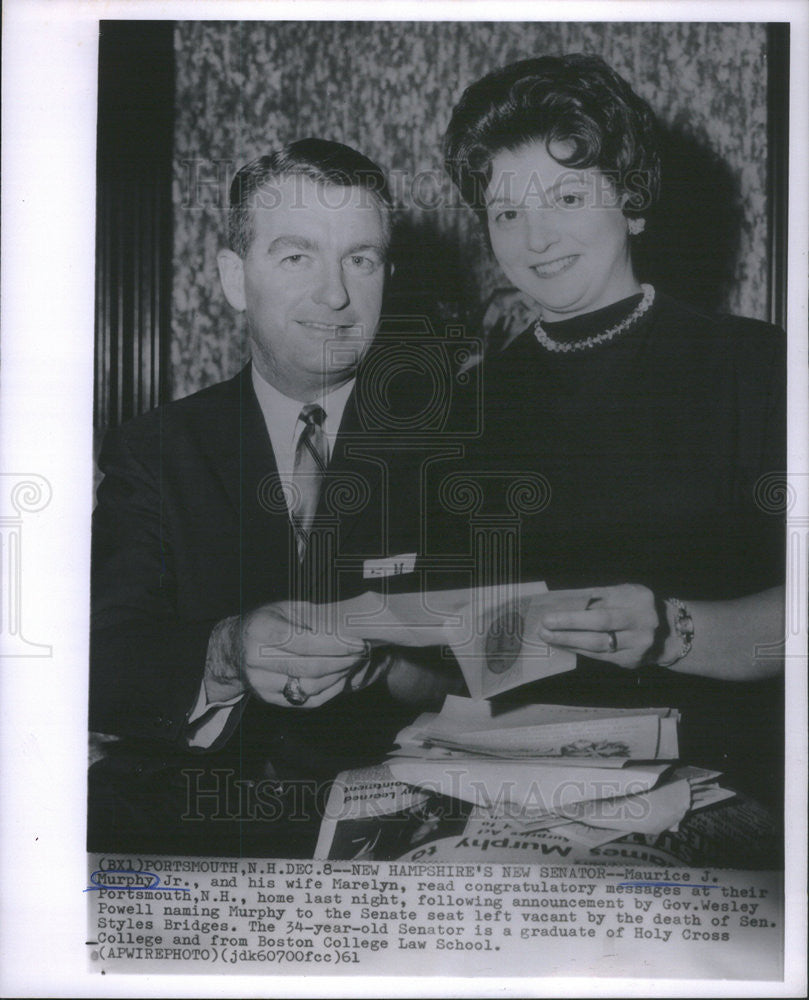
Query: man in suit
{"points": [[283, 483]]}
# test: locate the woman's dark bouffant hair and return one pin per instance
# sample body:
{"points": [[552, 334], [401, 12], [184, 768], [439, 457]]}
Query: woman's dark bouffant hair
{"points": [[576, 99]]}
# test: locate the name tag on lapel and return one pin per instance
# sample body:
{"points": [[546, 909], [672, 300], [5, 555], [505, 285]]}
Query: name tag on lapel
{"points": [[390, 566]]}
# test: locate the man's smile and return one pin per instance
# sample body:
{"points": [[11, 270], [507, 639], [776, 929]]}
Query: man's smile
{"points": [[333, 328]]}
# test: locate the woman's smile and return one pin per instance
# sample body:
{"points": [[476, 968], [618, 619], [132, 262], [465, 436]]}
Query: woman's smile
{"points": [[552, 268]]}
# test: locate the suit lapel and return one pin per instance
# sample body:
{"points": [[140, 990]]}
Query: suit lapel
{"points": [[356, 492], [239, 450], [234, 438]]}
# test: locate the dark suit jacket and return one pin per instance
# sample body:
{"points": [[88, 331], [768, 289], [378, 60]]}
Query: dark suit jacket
{"points": [[190, 528]]}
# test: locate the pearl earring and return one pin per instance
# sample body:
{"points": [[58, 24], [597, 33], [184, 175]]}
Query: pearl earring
{"points": [[636, 226]]}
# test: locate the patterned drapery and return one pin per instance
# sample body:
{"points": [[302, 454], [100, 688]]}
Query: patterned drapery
{"points": [[243, 88]]}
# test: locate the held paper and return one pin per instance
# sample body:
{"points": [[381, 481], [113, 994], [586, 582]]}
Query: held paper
{"points": [[492, 631]]}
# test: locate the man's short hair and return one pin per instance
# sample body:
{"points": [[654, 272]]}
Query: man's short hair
{"points": [[320, 160], [575, 99]]}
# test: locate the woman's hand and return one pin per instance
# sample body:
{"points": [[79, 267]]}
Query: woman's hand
{"points": [[619, 624]]}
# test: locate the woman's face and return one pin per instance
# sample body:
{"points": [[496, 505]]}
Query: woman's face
{"points": [[558, 233]]}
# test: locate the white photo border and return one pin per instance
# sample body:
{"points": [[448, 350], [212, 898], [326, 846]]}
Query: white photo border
{"points": [[48, 250]]}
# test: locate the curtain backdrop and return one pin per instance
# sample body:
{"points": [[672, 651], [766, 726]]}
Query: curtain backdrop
{"points": [[244, 88]]}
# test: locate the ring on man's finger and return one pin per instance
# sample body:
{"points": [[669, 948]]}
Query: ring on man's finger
{"points": [[613, 641], [294, 693]]}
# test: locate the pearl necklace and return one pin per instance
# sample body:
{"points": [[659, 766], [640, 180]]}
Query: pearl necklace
{"points": [[601, 338]]}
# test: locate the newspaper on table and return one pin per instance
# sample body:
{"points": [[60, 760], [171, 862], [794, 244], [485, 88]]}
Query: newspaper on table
{"points": [[492, 631], [601, 775], [371, 815]]}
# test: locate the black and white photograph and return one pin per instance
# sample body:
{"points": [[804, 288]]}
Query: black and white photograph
{"points": [[426, 572]]}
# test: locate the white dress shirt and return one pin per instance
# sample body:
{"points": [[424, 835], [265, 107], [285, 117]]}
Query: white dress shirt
{"points": [[281, 416]]}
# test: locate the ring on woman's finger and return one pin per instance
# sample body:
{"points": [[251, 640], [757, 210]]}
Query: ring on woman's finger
{"points": [[613, 641], [294, 693]]}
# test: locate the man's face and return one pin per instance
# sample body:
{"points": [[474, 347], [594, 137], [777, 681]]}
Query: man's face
{"points": [[311, 283]]}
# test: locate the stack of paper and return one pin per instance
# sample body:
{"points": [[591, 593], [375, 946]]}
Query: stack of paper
{"points": [[608, 737], [591, 774]]}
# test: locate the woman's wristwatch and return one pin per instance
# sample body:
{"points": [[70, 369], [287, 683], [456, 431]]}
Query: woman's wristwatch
{"points": [[681, 628]]}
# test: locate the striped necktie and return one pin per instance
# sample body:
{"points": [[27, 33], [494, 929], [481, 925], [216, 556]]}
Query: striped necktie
{"points": [[311, 456]]}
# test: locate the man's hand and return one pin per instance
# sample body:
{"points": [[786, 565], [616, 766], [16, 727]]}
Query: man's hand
{"points": [[619, 624], [223, 675], [277, 644]]}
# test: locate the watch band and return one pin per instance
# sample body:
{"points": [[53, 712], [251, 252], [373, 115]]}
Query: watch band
{"points": [[683, 627]]}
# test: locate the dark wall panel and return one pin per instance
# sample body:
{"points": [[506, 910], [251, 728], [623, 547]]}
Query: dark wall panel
{"points": [[134, 218]]}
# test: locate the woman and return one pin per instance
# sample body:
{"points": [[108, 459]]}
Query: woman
{"points": [[654, 425]]}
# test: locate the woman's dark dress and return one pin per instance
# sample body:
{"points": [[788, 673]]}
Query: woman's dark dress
{"points": [[658, 449]]}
